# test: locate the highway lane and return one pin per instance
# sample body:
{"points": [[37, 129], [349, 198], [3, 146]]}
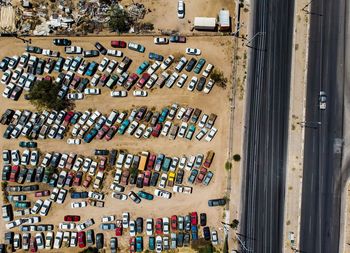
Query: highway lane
{"points": [[321, 192], [267, 126]]}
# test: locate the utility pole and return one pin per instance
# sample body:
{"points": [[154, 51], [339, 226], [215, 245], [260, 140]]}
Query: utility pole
{"points": [[249, 41], [308, 12]]}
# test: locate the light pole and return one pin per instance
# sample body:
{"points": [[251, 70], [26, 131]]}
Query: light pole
{"points": [[247, 44]]}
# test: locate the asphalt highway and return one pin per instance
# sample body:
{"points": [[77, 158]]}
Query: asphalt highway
{"points": [[266, 135], [321, 190]]}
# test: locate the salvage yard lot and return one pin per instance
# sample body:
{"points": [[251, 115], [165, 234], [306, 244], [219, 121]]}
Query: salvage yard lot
{"points": [[217, 51]]}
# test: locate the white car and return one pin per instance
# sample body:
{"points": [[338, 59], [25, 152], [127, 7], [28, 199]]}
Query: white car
{"points": [[103, 65], [214, 237], [166, 226], [192, 83], [111, 66], [171, 80], [92, 91], [45, 207], [67, 225], [147, 132], [139, 131], [109, 218], [166, 128], [208, 86], [75, 96], [79, 204], [203, 120], [49, 240], [167, 62], [207, 70], [182, 130], [180, 83], [160, 40], [159, 244], [73, 141], [132, 127], [39, 238], [162, 193], [58, 240], [193, 51], [182, 162], [119, 93], [8, 90], [115, 53], [132, 228], [153, 67], [211, 134], [96, 195], [140, 93], [95, 79], [151, 81], [73, 239], [149, 227], [180, 113], [181, 64], [201, 134], [126, 218], [61, 196], [181, 9], [163, 180]]}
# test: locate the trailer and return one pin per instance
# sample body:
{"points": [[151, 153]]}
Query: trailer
{"points": [[204, 23], [143, 160]]}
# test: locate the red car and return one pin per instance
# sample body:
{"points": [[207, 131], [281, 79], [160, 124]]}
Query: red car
{"points": [[81, 239], [111, 132], [159, 226], [119, 228], [130, 81], [156, 130], [48, 78], [201, 175], [147, 177], [77, 179], [194, 218], [32, 244], [104, 79], [143, 80], [14, 173], [118, 43], [173, 222], [132, 244], [102, 163], [125, 177], [102, 132], [68, 116], [71, 218], [42, 193], [76, 81], [87, 181], [151, 161]]}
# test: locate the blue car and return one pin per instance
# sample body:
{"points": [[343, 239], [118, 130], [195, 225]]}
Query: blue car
{"points": [[199, 65], [88, 138], [151, 243], [163, 115], [91, 69], [142, 67], [194, 232], [139, 244], [79, 195], [154, 56]]}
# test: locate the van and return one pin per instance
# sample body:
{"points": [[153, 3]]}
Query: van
{"points": [[112, 118], [181, 9]]}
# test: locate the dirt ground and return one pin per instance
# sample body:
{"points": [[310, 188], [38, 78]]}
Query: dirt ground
{"points": [[218, 51]]}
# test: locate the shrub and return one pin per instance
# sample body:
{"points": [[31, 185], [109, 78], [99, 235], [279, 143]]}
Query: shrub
{"points": [[119, 20], [219, 78]]}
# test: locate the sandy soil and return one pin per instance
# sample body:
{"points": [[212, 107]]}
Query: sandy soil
{"points": [[216, 50]]}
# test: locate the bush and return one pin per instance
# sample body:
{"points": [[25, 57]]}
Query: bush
{"points": [[228, 165], [234, 224], [237, 157], [202, 246], [119, 20], [219, 78], [90, 250], [43, 95]]}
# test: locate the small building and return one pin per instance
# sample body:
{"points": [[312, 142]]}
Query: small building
{"points": [[204, 23], [26, 4], [224, 20]]}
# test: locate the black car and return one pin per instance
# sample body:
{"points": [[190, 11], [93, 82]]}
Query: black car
{"points": [[82, 85], [112, 158], [139, 225], [141, 112], [201, 83], [90, 237], [180, 239], [139, 181], [187, 239], [91, 53], [53, 180], [4, 64], [40, 67], [216, 202], [154, 178], [133, 178], [179, 176], [59, 64], [99, 241], [56, 157], [101, 48], [30, 175], [191, 64], [148, 116], [7, 116], [133, 196], [203, 219], [33, 49], [206, 233], [62, 42], [39, 174], [9, 238], [22, 175], [101, 152], [154, 119], [6, 171]]}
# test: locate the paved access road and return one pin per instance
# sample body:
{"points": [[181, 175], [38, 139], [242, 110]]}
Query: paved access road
{"points": [[267, 126], [321, 192]]}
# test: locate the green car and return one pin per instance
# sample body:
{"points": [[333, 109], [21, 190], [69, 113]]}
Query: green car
{"points": [[142, 67], [151, 243], [22, 204], [199, 65], [28, 144], [166, 164], [145, 195], [123, 127], [190, 132]]}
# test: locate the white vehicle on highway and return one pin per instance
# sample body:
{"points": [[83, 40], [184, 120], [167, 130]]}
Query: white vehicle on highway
{"points": [[322, 99]]}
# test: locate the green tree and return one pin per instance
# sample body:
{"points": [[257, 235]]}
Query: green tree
{"points": [[119, 20], [43, 95], [219, 78]]}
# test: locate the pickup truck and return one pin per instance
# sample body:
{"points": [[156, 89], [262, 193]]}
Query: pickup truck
{"points": [[161, 80]]}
